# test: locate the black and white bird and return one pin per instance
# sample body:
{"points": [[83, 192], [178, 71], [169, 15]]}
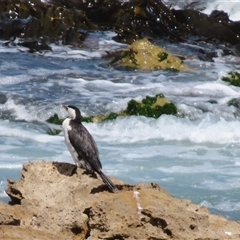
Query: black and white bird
{"points": [[82, 146]]}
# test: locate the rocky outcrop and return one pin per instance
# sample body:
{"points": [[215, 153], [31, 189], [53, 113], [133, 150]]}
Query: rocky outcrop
{"points": [[36, 23], [144, 55], [59, 201]]}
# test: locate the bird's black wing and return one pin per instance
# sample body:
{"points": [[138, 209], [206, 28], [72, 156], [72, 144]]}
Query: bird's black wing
{"points": [[84, 144]]}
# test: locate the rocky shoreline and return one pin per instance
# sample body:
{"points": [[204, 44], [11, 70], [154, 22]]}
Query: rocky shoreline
{"points": [[55, 200], [36, 24]]}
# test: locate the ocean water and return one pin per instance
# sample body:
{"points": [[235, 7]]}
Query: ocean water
{"points": [[195, 157]]}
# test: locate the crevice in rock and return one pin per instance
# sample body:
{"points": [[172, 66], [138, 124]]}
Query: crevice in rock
{"points": [[87, 211], [14, 201], [66, 169], [117, 237], [103, 187], [125, 187], [14, 194], [193, 227], [99, 189], [76, 230], [96, 221], [122, 187], [168, 232], [11, 221], [157, 222], [14, 222]]}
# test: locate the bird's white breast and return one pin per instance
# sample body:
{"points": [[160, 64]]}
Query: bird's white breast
{"points": [[66, 127]]}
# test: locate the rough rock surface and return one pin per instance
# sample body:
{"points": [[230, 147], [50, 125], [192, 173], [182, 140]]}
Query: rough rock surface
{"points": [[59, 201]]}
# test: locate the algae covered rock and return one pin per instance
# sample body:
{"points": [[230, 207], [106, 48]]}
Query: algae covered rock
{"points": [[149, 107], [142, 54], [233, 78]]}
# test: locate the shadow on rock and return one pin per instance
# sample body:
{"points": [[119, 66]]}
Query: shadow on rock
{"points": [[66, 169]]}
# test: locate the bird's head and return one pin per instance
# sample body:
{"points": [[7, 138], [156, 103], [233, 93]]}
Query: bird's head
{"points": [[73, 112]]}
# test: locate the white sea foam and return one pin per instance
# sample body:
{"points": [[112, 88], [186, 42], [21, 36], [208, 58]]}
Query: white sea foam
{"points": [[67, 52], [3, 194], [95, 85], [9, 129], [8, 66], [231, 6], [167, 128], [222, 183], [98, 47], [10, 80], [226, 205], [218, 88], [194, 168], [7, 49], [19, 110], [10, 166]]}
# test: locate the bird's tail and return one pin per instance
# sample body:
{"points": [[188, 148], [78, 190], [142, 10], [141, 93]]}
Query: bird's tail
{"points": [[108, 182]]}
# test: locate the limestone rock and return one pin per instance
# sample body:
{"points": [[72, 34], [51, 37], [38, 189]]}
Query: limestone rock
{"points": [[55, 200]]}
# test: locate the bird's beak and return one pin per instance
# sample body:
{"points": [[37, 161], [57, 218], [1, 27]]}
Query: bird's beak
{"points": [[65, 107]]}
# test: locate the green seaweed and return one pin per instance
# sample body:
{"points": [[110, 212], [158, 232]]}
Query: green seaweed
{"points": [[169, 108], [162, 56], [149, 100], [111, 116], [55, 119], [87, 119], [133, 107], [233, 78], [149, 107]]}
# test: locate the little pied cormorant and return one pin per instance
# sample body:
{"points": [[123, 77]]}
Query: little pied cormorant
{"points": [[82, 146]]}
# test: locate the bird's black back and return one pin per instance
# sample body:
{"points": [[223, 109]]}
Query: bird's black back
{"points": [[84, 144]]}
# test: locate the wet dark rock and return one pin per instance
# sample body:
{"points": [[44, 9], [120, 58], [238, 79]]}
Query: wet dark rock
{"points": [[3, 98], [164, 21], [219, 15], [209, 26], [236, 49], [68, 22], [234, 102], [73, 37], [10, 28], [205, 55], [35, 46]]}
